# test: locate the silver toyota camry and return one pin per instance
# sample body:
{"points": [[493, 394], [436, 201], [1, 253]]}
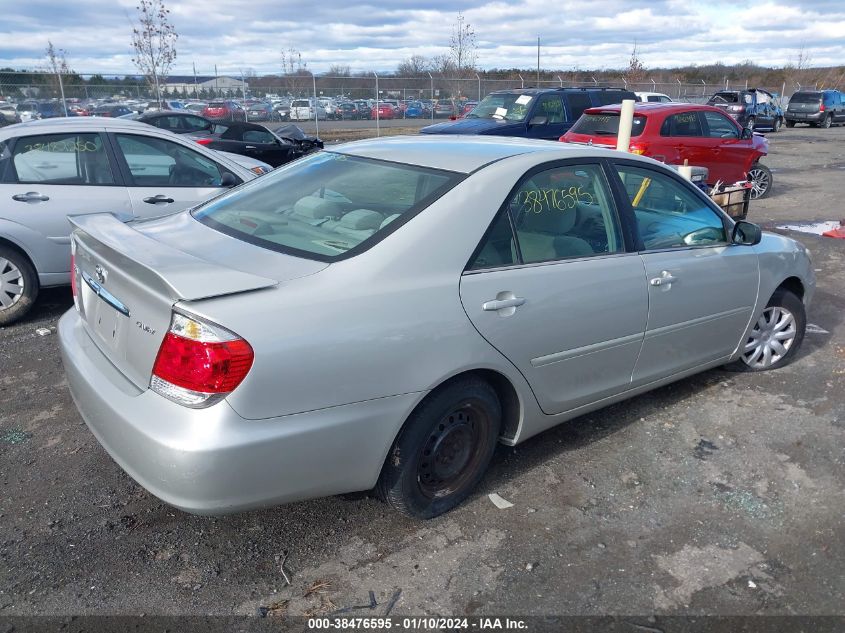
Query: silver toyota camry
{"points": [[381, 314]]}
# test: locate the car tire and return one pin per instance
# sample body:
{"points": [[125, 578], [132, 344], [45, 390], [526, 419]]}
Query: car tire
{"points": [[784, 320], [760, 177], [826, 121], [750, 123], [790, 124], [443, 450], [16, 271], [776, 125]]}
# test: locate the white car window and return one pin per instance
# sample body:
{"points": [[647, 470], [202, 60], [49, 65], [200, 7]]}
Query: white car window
{"points": [[156, 162], [61, 159]]}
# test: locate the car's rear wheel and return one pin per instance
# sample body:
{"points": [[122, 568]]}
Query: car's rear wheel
{"points": [[826, 121], [443, 450], [777, 335], [776, 125], [750, 123], [18, 285], [790, 123], [760, 177]]}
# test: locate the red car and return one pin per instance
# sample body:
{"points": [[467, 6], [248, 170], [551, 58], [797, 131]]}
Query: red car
{"points": [[224, 111], [674, 132], [385, 111]]}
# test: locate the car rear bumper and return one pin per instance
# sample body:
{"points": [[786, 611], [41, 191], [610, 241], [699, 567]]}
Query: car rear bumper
{"points": [[212, 461], [804, 117]]}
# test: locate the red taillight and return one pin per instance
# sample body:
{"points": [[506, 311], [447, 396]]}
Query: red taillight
{"points": [[203, 141], [821, 108], [204, 367], [637, 148], [198, 361]]}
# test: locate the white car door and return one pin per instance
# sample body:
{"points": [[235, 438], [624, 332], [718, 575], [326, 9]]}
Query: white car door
{"points": [[47, 178], [165, 176]]}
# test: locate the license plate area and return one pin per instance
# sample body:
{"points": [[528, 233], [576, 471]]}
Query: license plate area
{"points": [[106, 315]]}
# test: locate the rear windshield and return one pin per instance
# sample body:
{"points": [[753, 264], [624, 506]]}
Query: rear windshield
{"points": [[725, 97], [326, 206], [605, 124], [806, 97]]}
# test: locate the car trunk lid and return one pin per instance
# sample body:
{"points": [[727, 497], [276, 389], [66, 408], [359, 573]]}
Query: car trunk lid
{"points": [[128, 282]]}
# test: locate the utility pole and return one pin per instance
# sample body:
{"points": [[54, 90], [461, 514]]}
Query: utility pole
{"points": [[538, 61], [195, 80]]}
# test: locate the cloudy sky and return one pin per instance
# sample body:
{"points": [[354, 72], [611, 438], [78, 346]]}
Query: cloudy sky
{"points": [[377, 34]]}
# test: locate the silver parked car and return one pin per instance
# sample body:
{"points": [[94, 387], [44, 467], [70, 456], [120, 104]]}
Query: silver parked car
{"points": [[56, 168], [379, 315]]}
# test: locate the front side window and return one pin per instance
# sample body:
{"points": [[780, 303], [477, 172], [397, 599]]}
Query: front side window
{"points": [[559, 213], [682, 124], [668, 214], [62, 159], [720, 126], [155, 162], [325, 205], [551, 107]]}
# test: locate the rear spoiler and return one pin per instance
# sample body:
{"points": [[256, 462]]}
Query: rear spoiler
{"points": [[162, 268]]}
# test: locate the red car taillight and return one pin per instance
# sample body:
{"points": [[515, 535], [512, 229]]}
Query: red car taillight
{"points": [[203, 141], [821, 108], [199, 363], [638, 148]]}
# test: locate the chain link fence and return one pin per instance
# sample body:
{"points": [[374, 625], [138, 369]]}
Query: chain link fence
{"points": [[80, 93]]}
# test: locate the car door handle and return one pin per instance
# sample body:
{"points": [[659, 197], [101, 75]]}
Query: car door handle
{"points": [[160, 198], [30, 196], [665, 279], [250, 147], [501, 304]]}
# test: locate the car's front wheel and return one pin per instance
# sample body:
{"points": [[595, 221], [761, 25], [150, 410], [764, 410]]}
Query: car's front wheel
{"points": [[760, 177], [777, 335], [18, 285], [443, 450]]}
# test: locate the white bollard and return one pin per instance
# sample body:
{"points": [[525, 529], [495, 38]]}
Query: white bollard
{"points": [[626, 120]]}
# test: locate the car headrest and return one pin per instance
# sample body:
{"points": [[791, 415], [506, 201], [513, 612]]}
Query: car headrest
{"points": [[549, 219], [316, 208], [362, 219]]}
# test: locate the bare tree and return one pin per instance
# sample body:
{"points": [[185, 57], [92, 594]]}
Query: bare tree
{"points": [[340, 70], [635, 72], [462, 48], [154, 42], [58, 66], [414, 66]]}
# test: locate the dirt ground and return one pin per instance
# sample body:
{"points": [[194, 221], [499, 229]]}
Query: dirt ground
{"points": [[720, 494]]}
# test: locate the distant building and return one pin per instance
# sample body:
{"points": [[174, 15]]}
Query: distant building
{"points": [[187, 85]]}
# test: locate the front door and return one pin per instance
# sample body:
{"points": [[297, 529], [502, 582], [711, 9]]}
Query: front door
{"points": [[701, 289], [549, 107], [722, 149], [49, 177], [164, 176], [552, 288]]}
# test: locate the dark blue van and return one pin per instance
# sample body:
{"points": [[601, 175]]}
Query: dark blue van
{"points": [[544, 113]]}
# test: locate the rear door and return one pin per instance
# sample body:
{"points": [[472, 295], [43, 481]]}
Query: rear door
{"points": [[702, 290], [165, 176], [48, 177], [552, 287]]}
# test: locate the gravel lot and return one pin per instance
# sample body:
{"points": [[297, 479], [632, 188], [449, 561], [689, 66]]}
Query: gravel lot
{"points": [[720, 494]]}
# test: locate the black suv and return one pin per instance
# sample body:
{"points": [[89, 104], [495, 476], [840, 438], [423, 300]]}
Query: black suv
{"points": [[545, 113], [753, 108], [816, 107]]}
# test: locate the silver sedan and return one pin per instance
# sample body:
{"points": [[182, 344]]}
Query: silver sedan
{"points": [[381, 314]]}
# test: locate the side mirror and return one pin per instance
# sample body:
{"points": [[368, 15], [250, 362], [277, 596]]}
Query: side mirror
{"points": [[228, 180], [747, 133], [746, 233], [538, 120]]}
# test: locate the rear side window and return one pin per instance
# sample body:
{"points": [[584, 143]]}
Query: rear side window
{"points": [[682, 124], [578, 102], [61, 159], [327, 205], [606, 124], [558, 213]]}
